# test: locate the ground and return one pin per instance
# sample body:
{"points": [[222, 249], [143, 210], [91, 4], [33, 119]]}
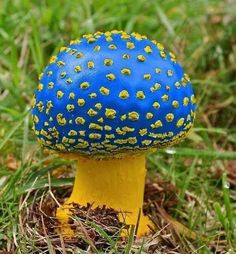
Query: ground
{"points": [[200, 173]]}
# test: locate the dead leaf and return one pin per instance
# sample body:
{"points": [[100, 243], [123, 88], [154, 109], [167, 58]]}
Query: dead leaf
{"points": [[12, 163], [231, 171], [179, 227]]}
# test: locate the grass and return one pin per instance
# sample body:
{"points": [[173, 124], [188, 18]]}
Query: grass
{"points": [[201, 33]]}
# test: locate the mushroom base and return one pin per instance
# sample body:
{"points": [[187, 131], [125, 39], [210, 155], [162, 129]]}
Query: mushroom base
{"points": [[118, 184]]}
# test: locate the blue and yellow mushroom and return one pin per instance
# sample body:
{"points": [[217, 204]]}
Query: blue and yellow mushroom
{"points": [[107, 98]]}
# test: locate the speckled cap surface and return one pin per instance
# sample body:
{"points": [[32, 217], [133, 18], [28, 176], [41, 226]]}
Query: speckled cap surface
{"points": [[111, 93]]}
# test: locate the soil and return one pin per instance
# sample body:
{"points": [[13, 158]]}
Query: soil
{"points": [[93, 225]]}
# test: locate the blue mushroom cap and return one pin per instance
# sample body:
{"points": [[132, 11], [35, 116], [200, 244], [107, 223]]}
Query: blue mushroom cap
{"points": [[112, 93]]}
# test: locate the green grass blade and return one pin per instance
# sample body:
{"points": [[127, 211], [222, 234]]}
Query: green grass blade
{"points": [[130, 240], [104, 235], [10, 133], [188, 152], [228, 206]]}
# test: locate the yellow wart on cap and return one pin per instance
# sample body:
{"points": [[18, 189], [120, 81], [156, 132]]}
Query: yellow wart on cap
{"points": [[110, 76], [40, 87], [79, 55], [125, 36], [79, 120], [167, 87], [92, 95], [81, 102], [50, 85], [60, 94], [107, 128], [177, 85], [158, 70], [148, 49], [170, 73], [71, 95], [155, 87], [77, 68], [162, 54], [125, 56], [132, 140], [90, 64], [193, 99], [173, 57], [130, 45], [119, 131], [146, 142], [126, 71], [92, 112], [186, 76], [143, 131], [165, 97], [53, 59], [185, 101], [98, 105], [35, 119], [156, 105], [105, 91], [141, 58], [160, 46], [169, 117], [72, 133], [84, 85], [40, 106], [180, 122], [76, 41], [123, 117], [61, 119], [91, 40], [62, 74], [184, 82], [112, 46], [101, 120], [108, 62], [95, 136], [157, 124], [96, 48], [140, 95], [48, 107], [109, 136], [128, 129], [63, 49], [110, 113], [72, 51], [149, 115], [40, 76], [109, 38], [147, 76], [124, 94], [133, 116], [95, 126], [175, 104], [60, 63], [33, 101], [70, 107], [82, 133], [69, 81]]}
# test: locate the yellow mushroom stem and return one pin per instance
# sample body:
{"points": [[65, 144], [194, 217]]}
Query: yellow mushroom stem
{"points": [[116, 183]]}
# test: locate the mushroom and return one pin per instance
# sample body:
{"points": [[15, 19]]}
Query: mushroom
{"points": [[107, 99]]}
